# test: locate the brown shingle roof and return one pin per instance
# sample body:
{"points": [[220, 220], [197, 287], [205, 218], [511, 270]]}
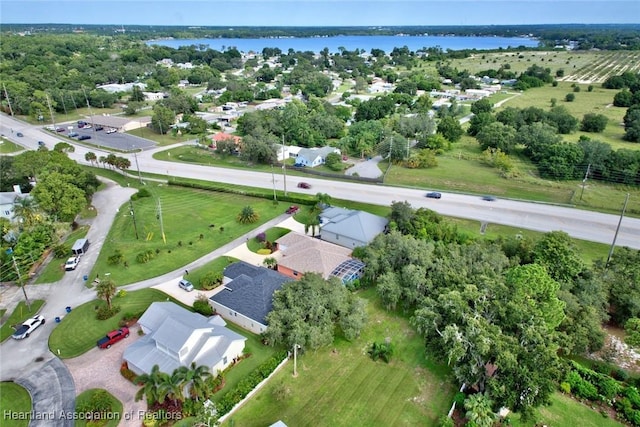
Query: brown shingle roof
{"points": [[307, 254]]}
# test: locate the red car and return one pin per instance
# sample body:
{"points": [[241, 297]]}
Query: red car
{"points": [[304, 185], [292, 209]]}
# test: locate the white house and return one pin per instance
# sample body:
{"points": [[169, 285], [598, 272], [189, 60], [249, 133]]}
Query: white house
{"points": [[312, 157], [176, 337], [8, 199]]}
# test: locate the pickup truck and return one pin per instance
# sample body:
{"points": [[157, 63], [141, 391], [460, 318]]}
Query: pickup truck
{"points": [[72, 263], [113, 337]]}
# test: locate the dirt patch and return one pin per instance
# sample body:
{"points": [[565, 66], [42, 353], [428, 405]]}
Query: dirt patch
{"points": [[616, 351]]}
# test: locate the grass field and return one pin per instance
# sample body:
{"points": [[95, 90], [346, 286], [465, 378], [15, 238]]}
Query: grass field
{"points": [[8, 147], [187, 219], [115, 412], [341, 386], [54, 270], [82, 325], [19, 315], [16, 398], [565, 412]]}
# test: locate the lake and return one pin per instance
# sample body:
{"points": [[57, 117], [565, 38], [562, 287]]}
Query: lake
{"points": [[350, 43]]}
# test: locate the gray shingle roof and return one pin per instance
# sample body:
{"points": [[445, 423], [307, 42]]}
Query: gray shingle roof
{"points": [[250, 292]]}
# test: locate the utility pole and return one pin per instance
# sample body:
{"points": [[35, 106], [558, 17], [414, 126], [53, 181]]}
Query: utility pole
{"points": [[135, 156], [53, 121], [273, 180], [284, 167], [6, 95], [585, 180], [133, 215], [15, 265], [615, 236], [159, 209], [295, 359]]}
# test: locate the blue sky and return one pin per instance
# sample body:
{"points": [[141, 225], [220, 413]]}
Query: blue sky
{"points": [[319, 12]]}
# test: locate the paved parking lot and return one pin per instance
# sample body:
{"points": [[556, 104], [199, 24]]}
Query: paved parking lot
{"points": [[117, 140]]}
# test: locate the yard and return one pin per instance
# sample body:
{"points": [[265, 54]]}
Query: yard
{"points": [[115, 409], [79, 330], [15, 398], [54, 270], [342, 386], [195, 222]]}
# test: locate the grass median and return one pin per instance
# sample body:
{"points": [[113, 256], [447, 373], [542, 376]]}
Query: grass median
{"points": [[19, 315]]}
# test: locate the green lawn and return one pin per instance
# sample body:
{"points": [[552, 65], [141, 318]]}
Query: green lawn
{"points": [[15, 398], [115, 412], [258, 354], [187, 219], [272, 235], [19, 315], [215, 266], [54, 270], [79, 330], [341, 386], [565, 412], [8, 147]]}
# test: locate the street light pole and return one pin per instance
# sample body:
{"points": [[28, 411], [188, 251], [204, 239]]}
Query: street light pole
{"points": [[615, 236]]}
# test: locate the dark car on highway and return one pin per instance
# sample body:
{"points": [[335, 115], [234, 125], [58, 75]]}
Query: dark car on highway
{"points": [[489, 198], [304, 185], [19, 134], [434, 195], [83, 137]]}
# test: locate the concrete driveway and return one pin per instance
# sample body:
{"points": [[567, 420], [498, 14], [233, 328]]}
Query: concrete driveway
{"points": [[366, 168]]}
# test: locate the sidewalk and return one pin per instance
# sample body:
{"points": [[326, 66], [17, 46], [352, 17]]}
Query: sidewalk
{"points": [[237, 249]]}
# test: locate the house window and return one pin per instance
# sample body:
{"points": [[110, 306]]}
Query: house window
{"points": [[235, 314], [7, 213], [224, 360], [295, 273]]}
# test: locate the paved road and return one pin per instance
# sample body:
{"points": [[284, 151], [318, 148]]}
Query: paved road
{"points": [[581, 224]]}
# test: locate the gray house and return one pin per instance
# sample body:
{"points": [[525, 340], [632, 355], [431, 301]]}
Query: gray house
{"points": [[312, 157], [247, 296], [176, 337], [8, 200], [349, 228]]}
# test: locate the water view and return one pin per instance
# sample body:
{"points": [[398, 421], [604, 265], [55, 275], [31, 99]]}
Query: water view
{"points": [[334, 44]]}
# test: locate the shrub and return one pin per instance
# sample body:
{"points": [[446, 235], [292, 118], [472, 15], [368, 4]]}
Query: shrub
{"points": [[445, 421], [580, 387], [104, 312], [116, 258], [61, 251], [382, 351], [201, 305], [565, 387], [143, 192], [247, 216], [145, 257], [126, 372], [570, 97], [264, 251], [261, 237], [210, 280]]}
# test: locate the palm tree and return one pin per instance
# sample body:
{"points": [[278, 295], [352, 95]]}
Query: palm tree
{"points": [[170, 386], [90, 156], [150, 385], [26, 209], [105, 290], [193, 379], [247, 215]]}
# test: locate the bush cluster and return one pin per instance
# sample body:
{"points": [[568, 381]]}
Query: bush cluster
{"points": [[103, 312], [145, 257], [202, 306], [126, 372], [248, 383]]}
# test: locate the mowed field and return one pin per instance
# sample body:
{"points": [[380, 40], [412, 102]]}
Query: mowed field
{"points": [[341, 386]]}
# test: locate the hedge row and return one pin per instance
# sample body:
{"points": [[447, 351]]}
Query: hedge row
{"points": [[591, 385], [223, 188], [244, 387]]}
